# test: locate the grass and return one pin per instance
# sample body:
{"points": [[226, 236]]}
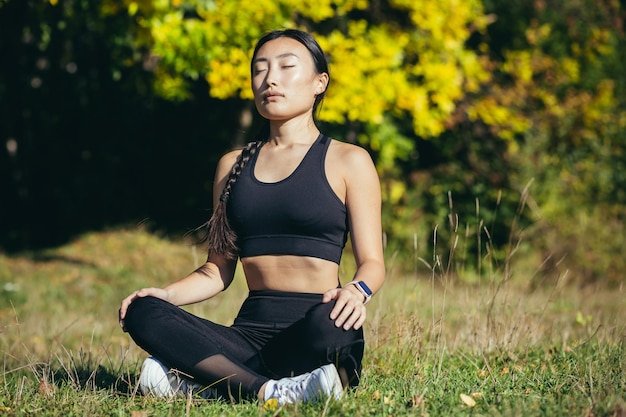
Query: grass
{"points": [[435, 346]]}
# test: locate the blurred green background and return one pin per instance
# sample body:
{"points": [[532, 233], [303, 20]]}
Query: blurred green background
{"points": [[500, 121]]}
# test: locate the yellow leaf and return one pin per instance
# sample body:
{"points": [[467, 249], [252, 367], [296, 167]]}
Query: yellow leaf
{"points": [[271, 404], [133, 7], [469, 401], [397, 191]]}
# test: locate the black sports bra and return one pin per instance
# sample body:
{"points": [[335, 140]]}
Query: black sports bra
{"points": [[299, 215]]}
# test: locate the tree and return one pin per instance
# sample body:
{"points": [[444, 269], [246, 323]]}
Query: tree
{"points": [[86, 142], [565, 76], [461, 104], [399, 69]]}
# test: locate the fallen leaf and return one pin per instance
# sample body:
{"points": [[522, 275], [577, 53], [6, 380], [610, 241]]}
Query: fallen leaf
{"points": [[376, 395], [271, 404], [45, 388], [417, 401], [140, 413], [469, 401]]}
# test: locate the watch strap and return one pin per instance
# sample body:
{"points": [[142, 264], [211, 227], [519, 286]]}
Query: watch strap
{"points": [[363, 289]]}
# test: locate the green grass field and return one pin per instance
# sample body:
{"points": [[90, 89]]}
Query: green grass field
{"points": [[435, 346]]}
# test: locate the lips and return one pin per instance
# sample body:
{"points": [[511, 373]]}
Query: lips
{"points": [[271, 94]]}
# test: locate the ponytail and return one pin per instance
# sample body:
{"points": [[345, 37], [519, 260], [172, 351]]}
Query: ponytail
{"points": [[221, 238]]}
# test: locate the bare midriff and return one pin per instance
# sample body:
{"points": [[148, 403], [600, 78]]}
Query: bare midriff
{"points": [[290, 273]]}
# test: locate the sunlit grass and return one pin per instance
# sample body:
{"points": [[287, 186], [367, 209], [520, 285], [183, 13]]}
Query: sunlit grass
{"points": [[435, 345]]}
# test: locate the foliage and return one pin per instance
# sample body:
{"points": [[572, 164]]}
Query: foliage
{"points": [[115, 112], [402, 58], [555, 76], [86, 143], [431, 74], [563, 77]]}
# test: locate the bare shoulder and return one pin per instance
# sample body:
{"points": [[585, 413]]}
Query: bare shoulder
{"points": [[353, 158], [355, 175], [348, 152], [229, 158], [226, 163], [224, 167]]}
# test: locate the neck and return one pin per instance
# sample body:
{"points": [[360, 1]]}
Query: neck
{"points": [[293, 131]]}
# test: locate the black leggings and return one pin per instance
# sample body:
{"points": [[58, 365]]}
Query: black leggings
{"points": [[276, 334]]}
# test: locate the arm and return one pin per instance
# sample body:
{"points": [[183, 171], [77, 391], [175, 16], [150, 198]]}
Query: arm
{"points": [[206, 281], [363, 200]]}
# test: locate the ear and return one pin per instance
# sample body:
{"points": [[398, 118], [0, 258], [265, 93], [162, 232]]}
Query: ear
{"points": [[322, 83]]}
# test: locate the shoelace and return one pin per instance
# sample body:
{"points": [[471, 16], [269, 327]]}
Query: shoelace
{"points": [[294, 391]]}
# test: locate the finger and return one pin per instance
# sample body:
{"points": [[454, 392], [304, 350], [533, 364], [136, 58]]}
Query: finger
{"points": [[122, 310], [345, 314], [344, 297], [125, 303], [359, 323], [338, 308], [121, 314], [353, 318], [329, 295]]}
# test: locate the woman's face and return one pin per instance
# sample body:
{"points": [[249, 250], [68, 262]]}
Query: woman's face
{"points": [[284, 80]]}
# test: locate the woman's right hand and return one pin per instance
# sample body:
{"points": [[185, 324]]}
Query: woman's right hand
{"points": [[144, 292]]}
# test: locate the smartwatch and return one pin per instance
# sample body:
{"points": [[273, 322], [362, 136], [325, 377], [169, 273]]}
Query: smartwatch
{"points": [[363, 289]]}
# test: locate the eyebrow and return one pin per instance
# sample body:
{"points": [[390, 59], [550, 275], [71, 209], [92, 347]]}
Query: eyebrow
{"points": [[285, 55]]}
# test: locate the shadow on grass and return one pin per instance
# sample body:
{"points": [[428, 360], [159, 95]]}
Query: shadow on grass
{"points": [[89, 378], [55, 257]]}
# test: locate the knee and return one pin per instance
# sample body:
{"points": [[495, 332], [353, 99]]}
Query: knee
{"points": [[140, 312], [323, 332]]}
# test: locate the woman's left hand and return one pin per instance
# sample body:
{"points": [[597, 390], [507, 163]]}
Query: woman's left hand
{"points": [[349, 310]]}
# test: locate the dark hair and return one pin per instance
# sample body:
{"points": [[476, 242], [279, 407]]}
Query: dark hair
{"points": [[221, 237]]}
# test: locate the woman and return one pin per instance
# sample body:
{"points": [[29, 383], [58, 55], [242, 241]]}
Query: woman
{"points": [[283, 207]]}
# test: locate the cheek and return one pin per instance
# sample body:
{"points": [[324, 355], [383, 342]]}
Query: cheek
{"points": [[302, 83], [296, 78], [256, 87]]}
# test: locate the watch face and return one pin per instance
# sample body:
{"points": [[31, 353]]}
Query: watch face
{"points": [[365, 288]]}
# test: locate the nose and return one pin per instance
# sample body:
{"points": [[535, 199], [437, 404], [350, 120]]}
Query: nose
{"points": [[270, 79], [271, 82]]}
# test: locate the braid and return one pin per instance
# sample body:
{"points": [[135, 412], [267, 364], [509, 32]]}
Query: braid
{"points": [[222, 239]]}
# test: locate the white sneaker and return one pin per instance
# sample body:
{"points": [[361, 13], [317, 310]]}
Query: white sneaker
{"points": [[158, 380], [316, 385]]}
